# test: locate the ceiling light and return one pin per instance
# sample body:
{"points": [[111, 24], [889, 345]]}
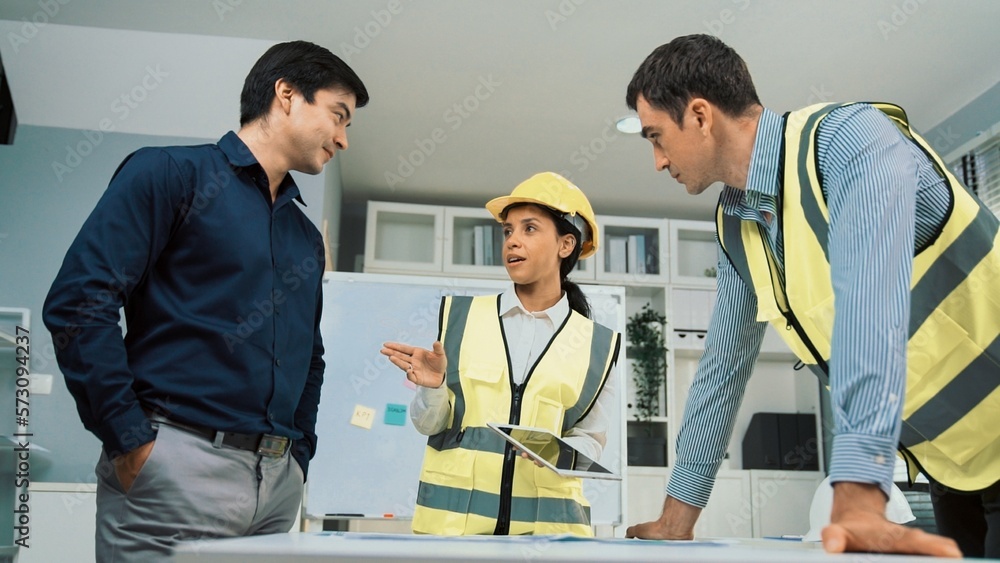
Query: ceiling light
{"points": [[629, 124]]}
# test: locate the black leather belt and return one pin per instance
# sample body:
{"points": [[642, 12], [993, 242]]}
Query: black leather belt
{"points": [[262, 444]]}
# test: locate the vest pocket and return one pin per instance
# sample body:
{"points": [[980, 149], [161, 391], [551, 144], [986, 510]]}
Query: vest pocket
{"points": [[545, 413], [487, 373], [821, 318]]}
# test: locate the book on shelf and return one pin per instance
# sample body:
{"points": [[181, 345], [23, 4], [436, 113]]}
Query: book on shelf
{"points": [[617, 255], [464, 246], [652, 260], [497, 244], [478, 246], [636, 254], [487, 244]]}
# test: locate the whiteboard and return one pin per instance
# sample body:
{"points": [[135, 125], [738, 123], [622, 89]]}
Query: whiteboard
{"points": [[375, 473]]}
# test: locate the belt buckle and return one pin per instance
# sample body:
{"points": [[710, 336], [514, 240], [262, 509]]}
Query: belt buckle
{"points": [[272, 446]]}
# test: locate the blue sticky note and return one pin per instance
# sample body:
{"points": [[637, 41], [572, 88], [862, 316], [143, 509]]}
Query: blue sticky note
{"points": [[395, 414]]}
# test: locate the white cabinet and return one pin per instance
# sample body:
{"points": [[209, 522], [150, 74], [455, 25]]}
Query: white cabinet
{"points": [[404, 237], [633, 251], [473, 243], [693, 253], [781, 500], [729, 513], [743, 504], [63, 523]]}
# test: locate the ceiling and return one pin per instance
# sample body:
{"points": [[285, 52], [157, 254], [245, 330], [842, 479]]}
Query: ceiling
{"points": [[468, 98]]}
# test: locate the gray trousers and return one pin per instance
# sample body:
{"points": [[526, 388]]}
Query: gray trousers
{"points": [[189, 490]]}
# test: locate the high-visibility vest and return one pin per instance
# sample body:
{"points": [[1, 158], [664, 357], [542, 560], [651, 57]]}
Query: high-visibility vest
{"points": [[471, 481], [951, 413]]}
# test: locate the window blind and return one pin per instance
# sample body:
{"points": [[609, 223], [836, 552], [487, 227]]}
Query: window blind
{"points": [[979, 169]]}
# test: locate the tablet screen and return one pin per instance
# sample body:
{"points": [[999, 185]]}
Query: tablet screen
{"points": [[553, 452]]}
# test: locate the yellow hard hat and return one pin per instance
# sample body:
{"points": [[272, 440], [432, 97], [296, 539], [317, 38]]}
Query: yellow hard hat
{"points": [[551, 190]]}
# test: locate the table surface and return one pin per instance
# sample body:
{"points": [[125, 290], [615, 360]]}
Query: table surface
{"points": [[369, 547]]}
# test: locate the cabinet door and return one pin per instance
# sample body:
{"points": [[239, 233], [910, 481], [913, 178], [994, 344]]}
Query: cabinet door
{"points": [[403, 237], [781, 501], [729, 513], [62, 523], [633, 251], [693, 253], [473, 243], [647, 488]]}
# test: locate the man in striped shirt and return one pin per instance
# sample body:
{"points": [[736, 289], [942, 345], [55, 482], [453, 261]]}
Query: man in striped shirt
{"points": [[884, 198]]}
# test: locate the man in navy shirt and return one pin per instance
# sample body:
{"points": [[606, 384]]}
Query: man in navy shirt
{"points": [[206, 409]]}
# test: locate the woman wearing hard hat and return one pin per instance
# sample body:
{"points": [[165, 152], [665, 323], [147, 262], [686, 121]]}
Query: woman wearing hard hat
{"points": [[528, 356]]}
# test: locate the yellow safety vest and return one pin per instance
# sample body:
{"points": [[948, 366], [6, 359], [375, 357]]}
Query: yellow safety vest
{"points": [[951, 415], [471, 482]]}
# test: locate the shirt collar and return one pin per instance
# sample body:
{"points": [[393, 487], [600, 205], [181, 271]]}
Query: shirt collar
{"points": [[238, 154], [511, 304], [763, 177]]}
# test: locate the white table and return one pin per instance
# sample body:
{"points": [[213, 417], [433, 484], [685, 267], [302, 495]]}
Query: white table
{"points": [[368, 548]]}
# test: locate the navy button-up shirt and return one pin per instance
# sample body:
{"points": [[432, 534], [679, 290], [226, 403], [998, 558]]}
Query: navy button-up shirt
{"points": [[222, 296]]}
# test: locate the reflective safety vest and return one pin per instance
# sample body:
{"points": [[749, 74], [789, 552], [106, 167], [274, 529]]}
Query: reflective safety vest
{"points": [[471, 481], [951, 414]]}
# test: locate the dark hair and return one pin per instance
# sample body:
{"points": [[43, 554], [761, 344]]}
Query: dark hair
{"points": [[577, 300], [693, 66], [306, 66]]}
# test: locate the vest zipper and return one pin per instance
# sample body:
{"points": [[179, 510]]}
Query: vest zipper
{"points": [[507, 477], [778, 285]]}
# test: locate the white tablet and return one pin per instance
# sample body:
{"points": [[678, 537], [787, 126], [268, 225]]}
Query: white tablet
{"points": [[552, 452]]}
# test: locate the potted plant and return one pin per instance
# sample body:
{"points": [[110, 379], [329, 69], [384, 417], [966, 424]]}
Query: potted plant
{"points": [[647, 442]]}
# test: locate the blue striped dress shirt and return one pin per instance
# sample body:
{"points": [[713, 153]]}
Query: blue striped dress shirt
{"points": [[885, 200]]}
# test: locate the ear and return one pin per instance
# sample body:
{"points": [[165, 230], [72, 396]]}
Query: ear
{"points": [[283, 94], [700, 115], [566, 245]]}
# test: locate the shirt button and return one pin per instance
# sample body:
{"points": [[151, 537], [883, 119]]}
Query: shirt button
{"points": [[277, 362], [270, 416], [880, 459]]}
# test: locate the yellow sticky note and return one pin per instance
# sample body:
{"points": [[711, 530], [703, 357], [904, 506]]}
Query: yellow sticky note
{"points": [[363, 416]]}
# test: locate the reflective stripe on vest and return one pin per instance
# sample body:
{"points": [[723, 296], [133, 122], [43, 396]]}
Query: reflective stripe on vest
{"points": [[952, 401], [460, 484]]}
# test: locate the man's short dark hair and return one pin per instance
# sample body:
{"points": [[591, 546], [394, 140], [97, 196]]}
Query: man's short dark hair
{"points": [[693, 66], [306, 66]]}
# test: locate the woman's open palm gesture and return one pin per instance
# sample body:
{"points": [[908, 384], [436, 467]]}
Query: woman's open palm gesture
{"points": [[422, 366]]}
